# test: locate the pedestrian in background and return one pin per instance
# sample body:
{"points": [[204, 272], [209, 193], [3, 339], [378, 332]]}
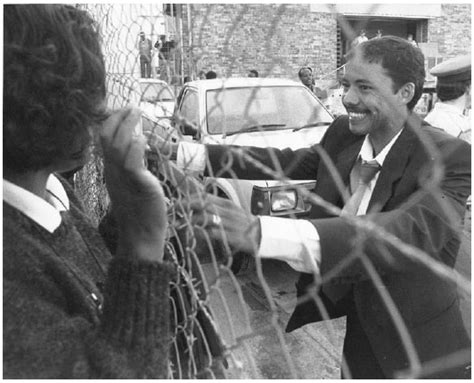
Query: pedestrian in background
{"points": [[411, 40], [453, 91], [359, 39], [211, 75], [335, 93], [70, 310], [305, 75], [145, 52], [165, 47], [253, 73]]}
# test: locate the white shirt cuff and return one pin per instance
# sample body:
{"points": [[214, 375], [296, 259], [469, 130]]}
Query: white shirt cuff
{"points": [[191, 156], [294, 241]]}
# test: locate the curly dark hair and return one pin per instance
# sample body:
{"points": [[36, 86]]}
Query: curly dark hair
{"points": [[403, 62], [452, 90], [54, 84]]}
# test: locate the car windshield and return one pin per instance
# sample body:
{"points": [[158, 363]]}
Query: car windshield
{"points": [[262, 108], [155, 92]]}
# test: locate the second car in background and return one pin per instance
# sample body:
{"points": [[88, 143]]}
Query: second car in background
{"points": [[154, 97]]}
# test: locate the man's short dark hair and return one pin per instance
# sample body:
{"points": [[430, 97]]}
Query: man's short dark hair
{"points": [[304, 68], [54, 84], [453, 90], [254, 72], [403, 62], [211, 74]]}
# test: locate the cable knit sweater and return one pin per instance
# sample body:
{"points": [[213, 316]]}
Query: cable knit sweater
{"points": [[71, 311]]}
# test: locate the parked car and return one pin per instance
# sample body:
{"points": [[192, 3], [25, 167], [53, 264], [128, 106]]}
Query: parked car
{"points": [[260, 112], [154, 97]]}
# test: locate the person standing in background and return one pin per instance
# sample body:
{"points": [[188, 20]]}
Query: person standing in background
{"points": [[453, 90], [359, 39], [335, 93], [253, 73], [305, 75], [411, 40], [145, 52], [211, 75], [165, 48]]}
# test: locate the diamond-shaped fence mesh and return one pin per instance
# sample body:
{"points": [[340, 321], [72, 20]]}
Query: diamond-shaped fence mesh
{"points": [[229, 311]]}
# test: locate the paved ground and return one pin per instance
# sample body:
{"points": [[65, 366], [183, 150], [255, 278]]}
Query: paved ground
{"points": [[262, 349]]}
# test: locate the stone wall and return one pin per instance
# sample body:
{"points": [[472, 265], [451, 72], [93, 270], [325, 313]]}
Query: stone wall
{"points": [[277, 39], [452, 31], [274, 39]]}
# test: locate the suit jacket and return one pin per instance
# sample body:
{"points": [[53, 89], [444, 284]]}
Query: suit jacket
{"points": [[413, 202]]}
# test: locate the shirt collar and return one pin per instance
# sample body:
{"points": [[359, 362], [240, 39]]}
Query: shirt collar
{"points": [[367, 151], [44, 213], [448, 108]]}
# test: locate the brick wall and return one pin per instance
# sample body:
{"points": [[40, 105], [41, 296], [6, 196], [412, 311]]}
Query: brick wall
{"points": [[452, 31], [274, 39], [277, 39]]}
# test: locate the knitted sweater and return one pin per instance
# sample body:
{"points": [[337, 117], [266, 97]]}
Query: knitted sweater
{"points": [[71, 311]]}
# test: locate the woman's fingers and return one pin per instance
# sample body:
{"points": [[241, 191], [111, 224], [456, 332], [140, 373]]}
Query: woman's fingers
{"points": [[117, 132], [133, 159]]}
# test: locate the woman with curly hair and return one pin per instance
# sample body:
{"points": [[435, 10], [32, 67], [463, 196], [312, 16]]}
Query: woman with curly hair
{"points": [[69, 309]]}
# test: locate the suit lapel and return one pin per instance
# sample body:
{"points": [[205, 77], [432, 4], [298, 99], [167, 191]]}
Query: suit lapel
{"points": [[346, 159], [393, 168]]}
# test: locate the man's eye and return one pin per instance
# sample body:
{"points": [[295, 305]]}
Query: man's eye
{"points": [[364, 87]]}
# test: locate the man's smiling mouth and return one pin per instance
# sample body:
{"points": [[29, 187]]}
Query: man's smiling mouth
{"points": [[357, 116]]}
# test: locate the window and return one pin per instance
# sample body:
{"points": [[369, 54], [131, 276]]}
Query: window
{"points": [[189, 108]]}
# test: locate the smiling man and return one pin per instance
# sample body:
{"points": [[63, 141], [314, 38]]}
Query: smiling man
{"points": [[407, 179]]}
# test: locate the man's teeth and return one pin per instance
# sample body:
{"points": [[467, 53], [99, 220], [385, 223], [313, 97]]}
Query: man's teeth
{"points": [[357, 116]]}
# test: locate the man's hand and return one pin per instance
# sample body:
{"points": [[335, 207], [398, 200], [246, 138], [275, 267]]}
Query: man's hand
{"points": [[138, 202], [225, 221]]}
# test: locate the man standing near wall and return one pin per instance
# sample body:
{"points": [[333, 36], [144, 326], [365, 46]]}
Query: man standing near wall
{"points": [[144, 50], [305, 75]]}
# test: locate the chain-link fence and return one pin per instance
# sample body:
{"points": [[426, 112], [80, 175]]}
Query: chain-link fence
{"points": [[230, 311]]}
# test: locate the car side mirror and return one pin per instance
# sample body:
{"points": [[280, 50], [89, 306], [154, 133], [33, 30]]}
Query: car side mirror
{"points": [[190, 130]]}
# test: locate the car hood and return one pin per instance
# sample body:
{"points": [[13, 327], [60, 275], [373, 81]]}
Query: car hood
{"points": [[159, 109], [277, 139]]}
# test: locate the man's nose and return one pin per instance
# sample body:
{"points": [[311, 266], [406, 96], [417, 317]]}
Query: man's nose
{"points": [[350, 97]]}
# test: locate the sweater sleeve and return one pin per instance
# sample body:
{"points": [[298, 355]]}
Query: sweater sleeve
{"points": [[43, 339]]}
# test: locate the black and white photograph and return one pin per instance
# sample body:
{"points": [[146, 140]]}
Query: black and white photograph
{"points": [[225, 190]]}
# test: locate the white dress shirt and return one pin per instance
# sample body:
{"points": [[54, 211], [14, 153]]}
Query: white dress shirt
{"points": [[291, 240], [44, 213]]}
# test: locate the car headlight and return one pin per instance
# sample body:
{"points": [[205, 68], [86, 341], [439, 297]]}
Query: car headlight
{"points": [[282, 200]]}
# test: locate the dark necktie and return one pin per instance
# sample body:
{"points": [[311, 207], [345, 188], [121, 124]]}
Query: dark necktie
{"points": [[362, 173]]}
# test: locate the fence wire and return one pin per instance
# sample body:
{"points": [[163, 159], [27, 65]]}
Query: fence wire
{"points": [[229, 321]]}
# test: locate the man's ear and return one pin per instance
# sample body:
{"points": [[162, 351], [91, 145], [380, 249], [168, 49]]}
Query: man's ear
{"points": [[406, 92]]}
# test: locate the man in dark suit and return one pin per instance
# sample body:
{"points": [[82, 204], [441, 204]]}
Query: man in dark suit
{"points": [[388, 270]]}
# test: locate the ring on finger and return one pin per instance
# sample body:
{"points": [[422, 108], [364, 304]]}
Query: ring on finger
{"points": [[216, 220]]}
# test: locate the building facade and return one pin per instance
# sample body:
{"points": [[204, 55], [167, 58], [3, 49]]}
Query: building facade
{"points": [[278, 39]]}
